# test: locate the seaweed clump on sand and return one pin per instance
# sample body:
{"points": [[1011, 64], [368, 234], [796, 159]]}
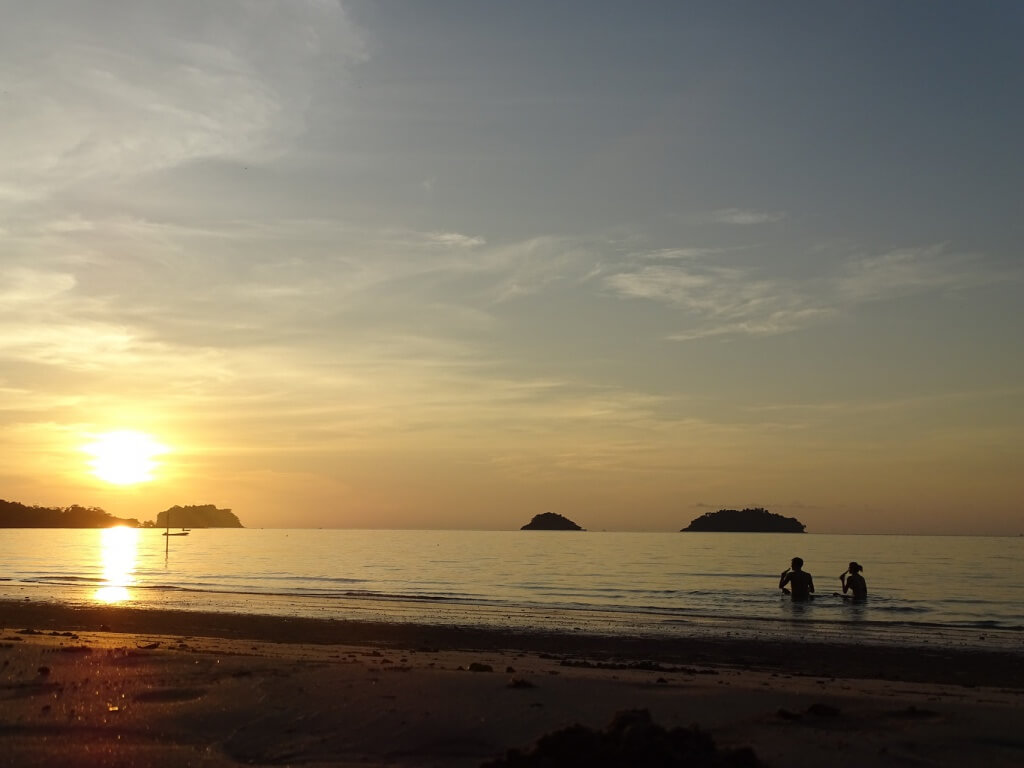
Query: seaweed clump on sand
{"points": [[631, 739]]}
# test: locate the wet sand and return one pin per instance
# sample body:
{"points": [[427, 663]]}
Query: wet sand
{"points": [[117, 686]]}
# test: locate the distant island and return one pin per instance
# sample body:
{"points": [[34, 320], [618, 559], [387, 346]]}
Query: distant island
{"points": [[14, 514], [550, 521], [198, 516], [755, 520]]}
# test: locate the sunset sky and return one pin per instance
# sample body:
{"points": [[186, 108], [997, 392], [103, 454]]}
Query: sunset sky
{"points": [[451, 264]]}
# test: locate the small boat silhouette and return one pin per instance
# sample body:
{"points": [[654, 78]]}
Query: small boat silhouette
{"points": [[183, 532]]}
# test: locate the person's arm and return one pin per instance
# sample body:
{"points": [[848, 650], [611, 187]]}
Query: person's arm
{"points": [[846, 586], [785, 578], [810, 583]]}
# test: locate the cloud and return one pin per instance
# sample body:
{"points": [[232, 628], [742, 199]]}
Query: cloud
{"points": [[744, 218], [125, 88], [689, 287], [530, 266], [71, 224], [906, 271], [92, 293], [455, 240], [859, 408], [782, 321], [672, 254], [719, 300], [29, 286], [78, 346]]}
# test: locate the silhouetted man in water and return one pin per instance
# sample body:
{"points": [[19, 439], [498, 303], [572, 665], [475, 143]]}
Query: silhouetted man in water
{"points": [[801, 585]]}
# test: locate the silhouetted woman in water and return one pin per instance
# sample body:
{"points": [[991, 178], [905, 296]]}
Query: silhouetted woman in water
{"points": [[852, 581]]}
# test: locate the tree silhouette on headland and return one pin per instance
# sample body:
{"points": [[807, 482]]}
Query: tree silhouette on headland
{"points": [[14, 514]]}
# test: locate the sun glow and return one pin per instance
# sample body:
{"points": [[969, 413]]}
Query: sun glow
{"points": [[124, 457]]}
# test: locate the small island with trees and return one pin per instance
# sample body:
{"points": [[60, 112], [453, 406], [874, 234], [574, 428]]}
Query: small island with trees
{"points": [[756, 520], [198, 516], [550, 521]]}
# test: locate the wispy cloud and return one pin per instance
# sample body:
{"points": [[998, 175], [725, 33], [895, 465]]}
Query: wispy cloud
{"points": [[21, 286], [719, 300], [722, 300], [857, 408], [673, 254], [531, 266], [455, 239], [906, 271], [745, 218], [103, 93]]}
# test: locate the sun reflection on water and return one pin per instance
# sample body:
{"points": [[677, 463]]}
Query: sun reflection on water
{"points": [[119, 547]]}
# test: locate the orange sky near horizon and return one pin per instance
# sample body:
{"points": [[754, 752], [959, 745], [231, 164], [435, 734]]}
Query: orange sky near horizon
{"points": [[617, 485]]}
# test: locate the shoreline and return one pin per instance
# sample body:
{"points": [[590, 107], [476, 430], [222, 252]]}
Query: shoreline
{"points": [[937, 663], [829, 623], [172, 688]]}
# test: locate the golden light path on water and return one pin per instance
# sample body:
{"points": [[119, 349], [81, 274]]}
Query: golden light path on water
{"points": [[118, 551]]}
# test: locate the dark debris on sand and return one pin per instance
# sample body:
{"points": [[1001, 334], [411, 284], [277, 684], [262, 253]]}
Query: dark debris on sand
{"points": [[645, 665], [631, 739]]}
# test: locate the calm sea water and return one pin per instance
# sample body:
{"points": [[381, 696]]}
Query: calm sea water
{"points": [[963, 590]]}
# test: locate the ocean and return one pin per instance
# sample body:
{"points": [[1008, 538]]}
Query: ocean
{"points": [[964, 591]]}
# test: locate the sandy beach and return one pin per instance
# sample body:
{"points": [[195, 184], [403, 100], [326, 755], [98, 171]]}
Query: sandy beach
{"points": [[117, 686]]}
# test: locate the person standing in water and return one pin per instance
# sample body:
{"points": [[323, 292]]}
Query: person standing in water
{"points": [[801, 585], [852, 581]]}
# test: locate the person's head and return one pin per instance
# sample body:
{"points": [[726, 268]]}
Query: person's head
{"points": [[856, 567], [797, 563]]}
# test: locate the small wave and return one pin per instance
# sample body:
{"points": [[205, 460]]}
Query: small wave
{"points": [[64, 579], [367, 594], [315, 579], [897, 608], [987, 624], [732, 575]]}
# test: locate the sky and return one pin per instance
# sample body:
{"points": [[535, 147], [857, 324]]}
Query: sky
{"points": [[453, 264]]}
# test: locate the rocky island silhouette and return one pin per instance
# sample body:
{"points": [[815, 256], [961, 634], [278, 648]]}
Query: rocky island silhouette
{"points": [[198, 516], [755, 520], [550, 521]]}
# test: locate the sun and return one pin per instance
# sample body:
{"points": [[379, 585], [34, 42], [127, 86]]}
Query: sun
{"points": [[124, 457]]}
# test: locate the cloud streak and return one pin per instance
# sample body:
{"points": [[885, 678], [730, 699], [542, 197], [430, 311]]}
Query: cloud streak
{"points": [[719, 300], [743, 218]]}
